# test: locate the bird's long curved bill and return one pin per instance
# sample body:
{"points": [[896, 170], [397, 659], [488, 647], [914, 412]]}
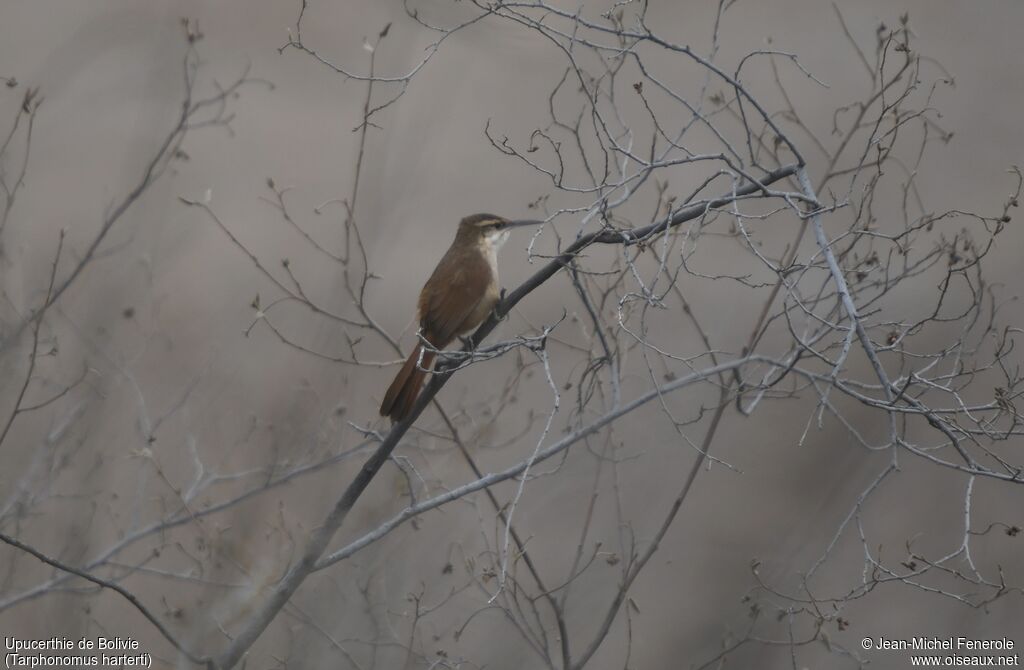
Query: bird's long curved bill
{"points": [[524, 222]]}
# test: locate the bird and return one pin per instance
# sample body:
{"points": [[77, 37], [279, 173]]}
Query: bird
{"points": [[459, 295]]}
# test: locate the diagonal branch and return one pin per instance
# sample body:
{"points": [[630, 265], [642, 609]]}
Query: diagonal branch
{"points": [[317, 544], [106, 584]]}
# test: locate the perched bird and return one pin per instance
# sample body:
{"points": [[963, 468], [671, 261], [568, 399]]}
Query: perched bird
{"points": [[457, 298]]}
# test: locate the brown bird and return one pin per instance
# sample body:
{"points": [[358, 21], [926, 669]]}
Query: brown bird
{"points": [[459, 295]]}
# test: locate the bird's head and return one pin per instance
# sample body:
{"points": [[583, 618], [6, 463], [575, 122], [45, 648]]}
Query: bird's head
{"points": [[490, 229]]}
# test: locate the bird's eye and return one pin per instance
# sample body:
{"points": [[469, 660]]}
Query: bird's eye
{"points": [[498, 225]]}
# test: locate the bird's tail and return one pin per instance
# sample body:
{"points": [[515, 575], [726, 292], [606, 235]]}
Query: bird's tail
{"points": [[401, 395]]}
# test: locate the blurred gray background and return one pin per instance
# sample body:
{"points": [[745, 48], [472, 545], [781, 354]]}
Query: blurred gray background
{"points": [[163, 313]]}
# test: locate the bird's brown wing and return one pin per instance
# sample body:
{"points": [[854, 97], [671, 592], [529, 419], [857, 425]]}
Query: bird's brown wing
{"points": [[451, 295]]}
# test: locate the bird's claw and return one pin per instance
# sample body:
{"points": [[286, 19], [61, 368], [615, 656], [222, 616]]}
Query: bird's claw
{"points": [[496, 312]]}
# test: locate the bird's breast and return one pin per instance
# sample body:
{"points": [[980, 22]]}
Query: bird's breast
{"points": [[491, 254]]}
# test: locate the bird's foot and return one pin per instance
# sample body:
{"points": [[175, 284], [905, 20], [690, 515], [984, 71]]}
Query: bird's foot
{"points": [[496, 312]]}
